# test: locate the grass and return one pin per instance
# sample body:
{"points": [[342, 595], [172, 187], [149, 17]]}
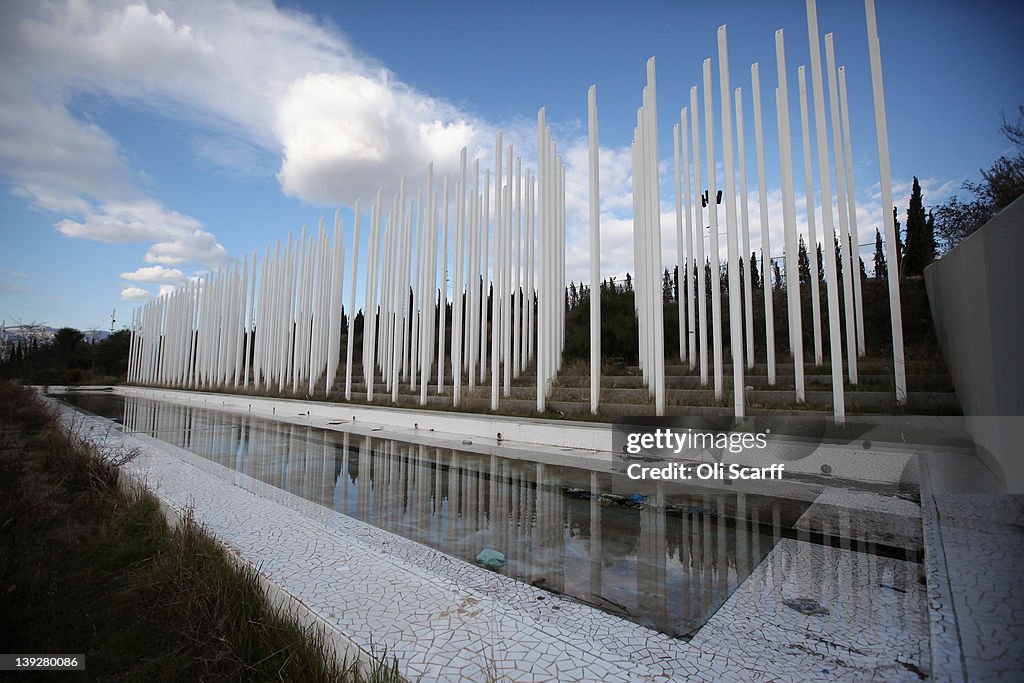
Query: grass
{"points": [[90, 567]]}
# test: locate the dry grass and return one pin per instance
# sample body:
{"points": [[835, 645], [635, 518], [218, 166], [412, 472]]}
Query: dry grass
{"points": [[90, 567]]}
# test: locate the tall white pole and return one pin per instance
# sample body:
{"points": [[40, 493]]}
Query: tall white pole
{"points": [[517, 295], [766, 244], [828, 232], [698, 241], [846, 257], [350, 347], [496, 298], [852, 201], [812, 244], [713, 244], [680, 267], [731, 237], [748, 288], [881, 127], [443, 299], [485, 221], [457, 317], [506, 279], [796, 332], [688, 269], [595, 253]]}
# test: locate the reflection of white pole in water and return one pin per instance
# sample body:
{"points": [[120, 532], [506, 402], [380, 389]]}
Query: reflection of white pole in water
{"points": [[895, 309], [766, 244], [812, 245], [713, 244], [828, 232], [844, 223], [731, 238], [595, 535], [352, 306], [748, 294], [687, 270], [595, 251], [852, 201], [698, 241], [796, 333]]}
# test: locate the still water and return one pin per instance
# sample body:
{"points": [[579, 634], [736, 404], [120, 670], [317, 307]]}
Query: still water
{"points": [[666, 561]]}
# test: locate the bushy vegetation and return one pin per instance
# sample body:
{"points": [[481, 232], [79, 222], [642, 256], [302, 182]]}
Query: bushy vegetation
{"points": [[87, 567], [67, 359]]}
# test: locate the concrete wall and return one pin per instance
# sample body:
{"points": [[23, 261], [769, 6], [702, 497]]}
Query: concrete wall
{"points": [[977, 301]]}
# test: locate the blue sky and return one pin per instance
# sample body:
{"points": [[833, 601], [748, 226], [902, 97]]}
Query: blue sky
{"points": [[143, 144]]}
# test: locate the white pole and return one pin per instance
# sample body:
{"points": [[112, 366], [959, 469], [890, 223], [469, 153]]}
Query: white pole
{"points": [[796, 332], [595, 252], [766, 244], [542, 328], [852, 201], [506, 279], [517, 296], [680, 268], [713, 245], [828, 232], [731, 237], [846, 258], [496, 298], [352, 308], [748, 289], [485, 220], [687, 269], [457, 298], [443, 299], [812, 244], [881, 127], [698, 240]]}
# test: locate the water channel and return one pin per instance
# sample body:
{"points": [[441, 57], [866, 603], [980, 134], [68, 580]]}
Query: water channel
{"points": [[666, 561]]}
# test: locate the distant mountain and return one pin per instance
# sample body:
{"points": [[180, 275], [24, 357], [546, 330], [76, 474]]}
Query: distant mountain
{"points": [[43, 334]]}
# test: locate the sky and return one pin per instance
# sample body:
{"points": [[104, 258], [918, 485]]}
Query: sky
{"points": [[143, 144]]}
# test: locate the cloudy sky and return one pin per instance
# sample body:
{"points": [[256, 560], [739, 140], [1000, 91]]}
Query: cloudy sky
{"points": [[144, 143]]}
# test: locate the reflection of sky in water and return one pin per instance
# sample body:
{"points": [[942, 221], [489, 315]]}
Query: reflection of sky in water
{"points": [[667, 561]]}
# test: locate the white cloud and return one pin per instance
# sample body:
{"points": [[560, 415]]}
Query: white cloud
{"points": [[134, 293], [344, 135], [156, 274]]}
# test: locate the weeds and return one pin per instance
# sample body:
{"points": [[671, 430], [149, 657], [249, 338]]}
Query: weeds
{"points": [[88, 566]]}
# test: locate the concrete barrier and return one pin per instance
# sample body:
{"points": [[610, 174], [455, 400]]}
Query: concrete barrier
{"points": [[978, 307]]}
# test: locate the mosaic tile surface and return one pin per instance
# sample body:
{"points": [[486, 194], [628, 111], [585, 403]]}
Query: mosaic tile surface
{"points": [[448, 620]]}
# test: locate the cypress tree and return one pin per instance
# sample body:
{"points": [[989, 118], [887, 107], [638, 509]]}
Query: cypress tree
{"points": [[920, 249], [804, 263], [880, 269]]}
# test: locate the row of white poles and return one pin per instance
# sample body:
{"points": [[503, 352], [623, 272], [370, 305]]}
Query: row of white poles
{"points": [[282, 328], [693, 333]]}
